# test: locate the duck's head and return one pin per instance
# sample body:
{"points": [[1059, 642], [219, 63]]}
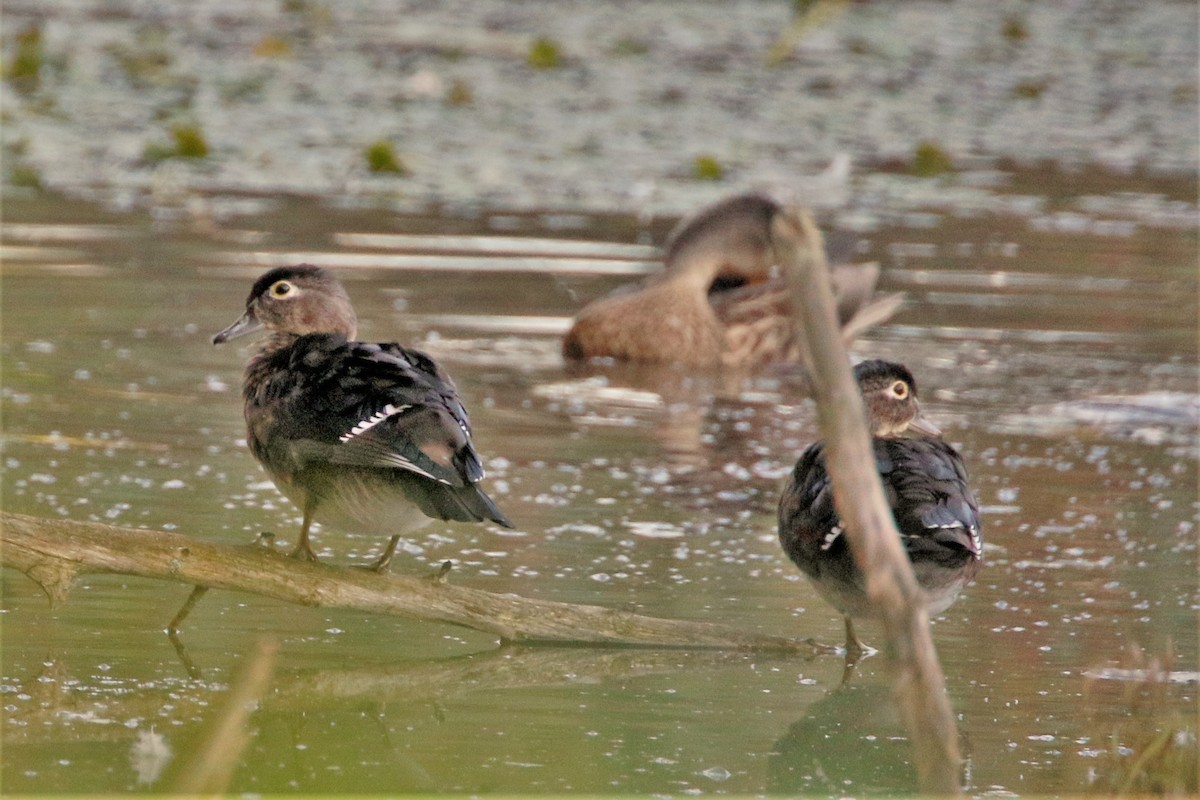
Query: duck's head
{"points": [[725, 245], [295, 301], [889, 393]]}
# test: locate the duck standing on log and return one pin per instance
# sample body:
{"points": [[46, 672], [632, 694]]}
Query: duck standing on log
{"points": [[364, 436]]}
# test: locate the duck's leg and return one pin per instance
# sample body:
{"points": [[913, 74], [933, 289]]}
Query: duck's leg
{"points": [[384, 561], [854, 648], [303, 550], [854, 651]]}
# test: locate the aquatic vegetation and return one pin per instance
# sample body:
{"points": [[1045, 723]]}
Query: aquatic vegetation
{"points": [[273, 46], [930, 160], [1030, 89], [189, 141], [1015, 30], [25, 177], [1153, 749], [544, 53], [630, 46], [25, 69], [244, 89], [381, 157], [459, 93], [145, 61], [707, 168]]}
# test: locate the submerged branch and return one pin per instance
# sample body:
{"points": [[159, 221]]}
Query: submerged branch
{"points": [[858, 495], [61, 549]]}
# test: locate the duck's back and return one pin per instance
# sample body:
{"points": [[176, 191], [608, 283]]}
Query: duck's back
{"points": [[925, 482], [663, 321], [354, 422]]}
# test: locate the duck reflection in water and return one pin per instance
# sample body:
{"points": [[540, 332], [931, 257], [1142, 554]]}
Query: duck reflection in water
{"points": [[851, 742]]}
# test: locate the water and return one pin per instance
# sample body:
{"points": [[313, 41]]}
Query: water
{"points": [[1057, 348]]}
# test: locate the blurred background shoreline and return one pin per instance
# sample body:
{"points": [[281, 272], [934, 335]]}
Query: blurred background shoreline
{"points": [[648, 108]]}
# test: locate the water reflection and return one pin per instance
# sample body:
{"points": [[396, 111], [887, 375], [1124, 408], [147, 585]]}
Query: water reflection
{"points": [[850, 742], [1062, 365]]}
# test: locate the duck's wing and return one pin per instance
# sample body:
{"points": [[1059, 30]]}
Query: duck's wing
{"points": [[858, 307], [382, 406], [808, 520], [760, 323], [925, 481], [935, 510]]}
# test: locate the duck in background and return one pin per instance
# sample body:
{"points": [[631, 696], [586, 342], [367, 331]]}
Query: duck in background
{"points": [[719, 301], [925, 482], [366, 436]]}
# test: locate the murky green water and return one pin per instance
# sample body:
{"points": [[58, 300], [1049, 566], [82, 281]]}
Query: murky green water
{"points": [[1059, 354]]}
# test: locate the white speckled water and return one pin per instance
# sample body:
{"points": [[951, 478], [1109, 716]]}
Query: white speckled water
{"points": [[1062, 363]]}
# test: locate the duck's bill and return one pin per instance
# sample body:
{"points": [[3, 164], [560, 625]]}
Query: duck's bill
{"points": [[925, 426], [247, 323]]}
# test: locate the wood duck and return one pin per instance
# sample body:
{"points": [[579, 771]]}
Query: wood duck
{"points": [[717, 301], [368, 436], [925, 482]]}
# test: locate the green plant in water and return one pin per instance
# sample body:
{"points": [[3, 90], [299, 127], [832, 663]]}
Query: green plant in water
{"points": [[273, 46], [459, 93], [707, 168], [930, 160], [1154, 749], [544, 54], [1029, 90], [146, 61], [1015, 29], [25, 69], [381, 157], [630, 46], [189, 141], [25, 177]]}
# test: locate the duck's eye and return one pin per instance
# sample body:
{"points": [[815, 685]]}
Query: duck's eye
{"points": [[899, 390], [281, 289]]}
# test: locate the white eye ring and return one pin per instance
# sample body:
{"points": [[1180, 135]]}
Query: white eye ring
{"points": [[281, 288], [899, 390]]}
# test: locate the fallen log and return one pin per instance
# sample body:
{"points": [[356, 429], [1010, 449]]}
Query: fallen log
{"points": [[54, 552]]}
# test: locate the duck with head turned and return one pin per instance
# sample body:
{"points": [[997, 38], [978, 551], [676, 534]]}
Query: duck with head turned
{"points": [[718, 301], [925, 482], [371, 437]]}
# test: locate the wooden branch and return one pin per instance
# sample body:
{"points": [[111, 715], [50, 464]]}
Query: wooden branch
{"points": [[52, 552], [858, 495]]}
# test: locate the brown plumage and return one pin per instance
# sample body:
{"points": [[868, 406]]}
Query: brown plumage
{"points": [[718, 302], [360, 435], [925, 481]]}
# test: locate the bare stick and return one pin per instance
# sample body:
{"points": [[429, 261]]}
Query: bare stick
{"points": [[210, 766], [61, 547], [858, 495]]}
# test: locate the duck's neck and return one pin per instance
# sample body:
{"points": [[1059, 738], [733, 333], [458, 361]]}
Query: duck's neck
{"points": [[698, 270]]}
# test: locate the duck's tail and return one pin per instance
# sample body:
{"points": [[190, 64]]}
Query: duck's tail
{"points": [[858, 308]]}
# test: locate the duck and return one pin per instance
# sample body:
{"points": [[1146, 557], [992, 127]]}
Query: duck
{"points": [[365, 436], [926, 484], [718, 301]]}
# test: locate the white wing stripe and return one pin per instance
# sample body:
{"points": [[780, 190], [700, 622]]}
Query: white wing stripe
{"points": [[365, 425]]}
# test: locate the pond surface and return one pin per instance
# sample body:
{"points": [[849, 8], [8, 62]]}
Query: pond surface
{"points": [[1057, 349]]}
